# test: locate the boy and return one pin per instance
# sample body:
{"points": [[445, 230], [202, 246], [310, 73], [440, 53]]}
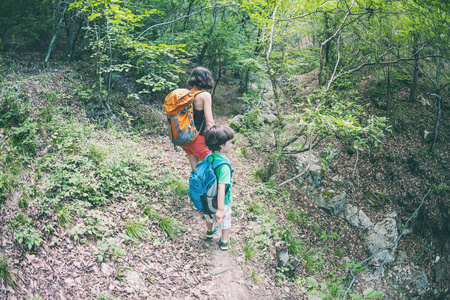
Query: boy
{"points": [[219, 139]]}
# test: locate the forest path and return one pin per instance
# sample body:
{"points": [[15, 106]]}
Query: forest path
{"points": [[218, 274]]}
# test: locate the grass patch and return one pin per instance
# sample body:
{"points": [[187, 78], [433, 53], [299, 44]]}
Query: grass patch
{"points": [[136, 229], [6, 275]]}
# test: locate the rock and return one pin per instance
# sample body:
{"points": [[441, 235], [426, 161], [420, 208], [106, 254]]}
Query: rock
{"points": [[383, 234], [267, 116], [282, 253], [401, 256], [331, 202], [339, 182], [440, 270], [219, 270], [238, 122], [356, 217], [420, 281], [392, 215], [312, 178], [334, 154], [107, 270], [134, 279], [374, 198], [346, 259], [378, 177], [69, 281]]}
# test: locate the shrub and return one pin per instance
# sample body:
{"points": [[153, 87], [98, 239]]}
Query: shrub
{"points": [[14, 107]]}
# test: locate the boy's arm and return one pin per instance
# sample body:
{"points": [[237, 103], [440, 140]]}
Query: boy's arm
{"points": [[220, 202]]}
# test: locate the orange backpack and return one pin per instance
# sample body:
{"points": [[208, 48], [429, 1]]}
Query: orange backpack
{"points": [[179, 106]]}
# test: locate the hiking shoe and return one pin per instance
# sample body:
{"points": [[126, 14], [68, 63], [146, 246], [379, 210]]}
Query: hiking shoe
{"points": [[223, 245], [211, 233]]}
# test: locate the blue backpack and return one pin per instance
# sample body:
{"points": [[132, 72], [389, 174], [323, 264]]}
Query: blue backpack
{"points": [[203, 185]]}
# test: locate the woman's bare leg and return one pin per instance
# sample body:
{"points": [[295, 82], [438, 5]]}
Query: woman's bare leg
{"points": [[193, 161]]}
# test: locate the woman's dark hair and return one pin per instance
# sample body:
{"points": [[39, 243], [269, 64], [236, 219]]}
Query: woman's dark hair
{"points": [[218, 135], [201, 77]]}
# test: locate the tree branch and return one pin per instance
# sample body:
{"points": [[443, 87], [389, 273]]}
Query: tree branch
{"points": [[304, 171], [177, 19]]}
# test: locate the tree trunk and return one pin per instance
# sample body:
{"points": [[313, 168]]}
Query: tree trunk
{"points": [[415, 74], [439, 101], [205, 46], [388, 90]]}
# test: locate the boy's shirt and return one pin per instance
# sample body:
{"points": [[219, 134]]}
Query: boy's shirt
{"points": [[223, 174]]}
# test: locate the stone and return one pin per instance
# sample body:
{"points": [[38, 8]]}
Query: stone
{"points": [[107, 270], [420, 281], [219, 270], [238, 122], [339, 182], [440, 270], [356, 217], [134, 279], [392, 215], [312, 178], [374, 198], [282, 253], [401, 256], [331, 202], [378, 177], [334, 154], [383, 234]]}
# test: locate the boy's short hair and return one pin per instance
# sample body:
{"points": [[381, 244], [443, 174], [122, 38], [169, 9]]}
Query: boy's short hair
{"points": [[218, 135], [201, 77]]}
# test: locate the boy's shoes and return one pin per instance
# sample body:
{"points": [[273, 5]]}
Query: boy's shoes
{"points": [[211, 233], [223, 245]]}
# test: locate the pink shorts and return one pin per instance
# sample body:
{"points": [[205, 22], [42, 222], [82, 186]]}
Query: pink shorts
{"points": [[197, 148]]}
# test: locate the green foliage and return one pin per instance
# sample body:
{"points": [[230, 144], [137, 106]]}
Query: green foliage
{"points": [[179, 187], [23, 202], [295, 244], [14, 107], [6, 275], [24, 233], [113, 34], [63, 216], [89, 172], [4, 186], [249, 250], [104, 296], [171, 227], [136, 229], [92, 227], [28, 236], [110, 247], [24, 138]]}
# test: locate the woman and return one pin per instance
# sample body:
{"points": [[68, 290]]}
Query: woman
{"points": [[200, 79]]}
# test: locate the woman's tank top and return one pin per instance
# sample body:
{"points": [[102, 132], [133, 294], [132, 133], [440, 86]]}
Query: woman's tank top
{"points": [[199, 121]]}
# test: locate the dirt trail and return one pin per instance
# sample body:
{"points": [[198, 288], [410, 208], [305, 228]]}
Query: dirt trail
{"points": [[225, 278]]}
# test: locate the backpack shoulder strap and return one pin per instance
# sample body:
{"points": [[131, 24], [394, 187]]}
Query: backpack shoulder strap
{"points": [[216, 163], [195, 93]]}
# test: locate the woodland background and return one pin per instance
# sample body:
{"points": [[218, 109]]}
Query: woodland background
{"points": [[86, 166]]}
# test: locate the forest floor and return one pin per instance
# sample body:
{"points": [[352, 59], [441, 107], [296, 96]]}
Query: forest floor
{"points": [[186, 265]]}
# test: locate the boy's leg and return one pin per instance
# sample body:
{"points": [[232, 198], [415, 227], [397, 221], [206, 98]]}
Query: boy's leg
{"points": [[226, 228], [225, 234], [209, 225]]}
